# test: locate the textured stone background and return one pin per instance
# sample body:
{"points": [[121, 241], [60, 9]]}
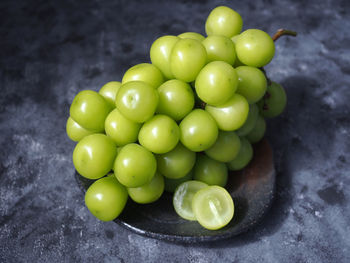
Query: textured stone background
{"points": [[50, 50]]}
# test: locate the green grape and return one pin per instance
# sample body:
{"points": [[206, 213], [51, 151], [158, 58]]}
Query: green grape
{"points": [[176, 99], [258, 131], [106, 198], [137, 101], [160, 54], [255, 48], [223, 21], [187, 58], [220, 48], [210, 171], [75, 132], [109, 92], [237, 61], [134, 165], [250, 122], [213, 207], [274, 101], [182, 198], [94, 155], [121, 129], [89, 109], [216, 83], [160, 134], [144, 72], [171, 184], [232, 114], [198, 130], [149, 192], [252, 83], [176, 163], [244, 156], [225, 148], [192, 35]]}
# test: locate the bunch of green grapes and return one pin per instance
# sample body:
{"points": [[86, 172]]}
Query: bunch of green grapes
{"points": [[178, 124]]}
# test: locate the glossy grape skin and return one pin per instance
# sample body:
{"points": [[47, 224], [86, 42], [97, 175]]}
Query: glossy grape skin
{"points": [[160, 54], [223, 21], [182, 198], [213, 207], [144, 72], [137, 101], [89, 109], [244, 156], [255, 48], [176, 99], [134, 165], [216, 83], [160, 134], [75, 132], [250, 122], [192, 35], [274, 101], [187, 58], [225, 148], [106, 198], [170, 185], [176, 163], [210, 171], [220, 48], [258, 131], [109, 92], [232, 114], [122, 130], [199, 130], [252, 83], [94, 155], [149, 192], [237, 61]]}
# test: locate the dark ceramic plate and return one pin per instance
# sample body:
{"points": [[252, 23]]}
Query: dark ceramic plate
{"points": [[252, 191]]}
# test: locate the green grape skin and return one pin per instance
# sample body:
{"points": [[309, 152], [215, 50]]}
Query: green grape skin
{"points": [[134, 165], [250, 122], [182, 198], [213, 207], [232, 114], [160, 134], [75, 132], [258, 131], [223, 21], [187, 58], [176, 99], [216, 83], [220, 48], [149, 192], [198, 131], [274, 101], [243, 158], [106, 198], [176, 163], [225, 148], [255, 48], [122, 130], [171, 184], [210, 171], [237, 61], [94, 155], [89, 109], [252, 83], [144, 72], [160, 54], [192, 35], [109, 92], [137, 101]]}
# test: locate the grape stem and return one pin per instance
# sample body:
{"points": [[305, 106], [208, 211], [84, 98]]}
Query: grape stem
{"points": [[283, 32]]}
